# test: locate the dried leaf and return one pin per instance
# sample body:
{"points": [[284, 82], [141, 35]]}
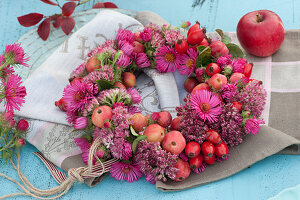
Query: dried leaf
{"points": [[68, 8], [67, 25], [44, 29], [57, 21], [30, 19], [110, 5], [49, 2], [99, 5]]}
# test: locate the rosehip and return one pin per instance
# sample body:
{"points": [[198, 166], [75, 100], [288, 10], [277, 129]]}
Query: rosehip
{"points": [[212, 68], [193, 28], [209, 160], [213, 136], [248, 69], [221, 150], [237, 105], [196, 162], [192, 149], [181, 46], [195, 37], [208, 149], [218, 49], [61, 104]]}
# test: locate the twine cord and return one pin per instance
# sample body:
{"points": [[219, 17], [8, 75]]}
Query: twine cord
{"points": [[74, 175]]}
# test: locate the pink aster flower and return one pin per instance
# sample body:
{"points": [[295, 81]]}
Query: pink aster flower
{"points": [[13, 93], [228, 91], [77, 95], [136, 97], [206, 104], [146, 35], [222, 61], [125, 172], [125, 35], [252, 125], [187, 65], [126, 47], [167, 59], [14, 54], [80, 123], [142, 60], [238, 65], [124, 61]]}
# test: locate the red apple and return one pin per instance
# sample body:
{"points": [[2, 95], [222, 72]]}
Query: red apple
{"points": [[190, 83], [184, 170], [154, 133], [201, 86], [260, 32], [218, 49], [174, 142], [101, 115], [138, 122], [128, 79], [92, 64], [217, 81], [175, 124]]}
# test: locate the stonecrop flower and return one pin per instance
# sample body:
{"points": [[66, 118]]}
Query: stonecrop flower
{"points": [[109, 44], [172, 36], [238, 65], [78, 94], [252, 125], [14, 54], [157, 40], [206, 105], [80, 71], [12, 93], [154, 162], [125, 172], [121, 149], [187, 65], [105, 72], [167, 59], [253, 96], [115, 95]]}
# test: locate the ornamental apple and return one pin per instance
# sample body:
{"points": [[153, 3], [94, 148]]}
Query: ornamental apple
{"points": [[235, 77], [201, 86], [92, 64], [175, 124], [260, 32], [138, 121], [190, 83], [154, 133], [174, 142], [218, 49], [128, 79], [101, 115], [217, 81], [164, 118], [138, 47]]}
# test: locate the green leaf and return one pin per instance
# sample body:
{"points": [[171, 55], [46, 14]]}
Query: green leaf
{"points": [[204, 57], [226, 39], [132, 131], [220, 32], [104, 84], [136, 142], [235, 51]]}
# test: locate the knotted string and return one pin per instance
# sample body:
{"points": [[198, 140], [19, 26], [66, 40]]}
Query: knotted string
{"points": [[74, 175]]}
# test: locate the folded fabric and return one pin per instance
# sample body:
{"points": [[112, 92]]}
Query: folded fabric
{"points": [[54, 138]]}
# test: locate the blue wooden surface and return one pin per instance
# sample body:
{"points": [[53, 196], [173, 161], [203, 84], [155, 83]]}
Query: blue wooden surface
{"points": [[262, 181]]}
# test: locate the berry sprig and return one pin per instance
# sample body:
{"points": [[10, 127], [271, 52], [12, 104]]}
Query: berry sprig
{"points": [[64, 20]]}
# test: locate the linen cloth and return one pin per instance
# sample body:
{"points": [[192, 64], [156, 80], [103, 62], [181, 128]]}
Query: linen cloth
{"points": [[54, 138]]}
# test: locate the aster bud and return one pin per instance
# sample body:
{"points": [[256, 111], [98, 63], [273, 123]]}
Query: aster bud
{"points": [[185, 25], [155, 116], [80, 123], [100, 153], [22, 125], [20, 142], [228, 70]]}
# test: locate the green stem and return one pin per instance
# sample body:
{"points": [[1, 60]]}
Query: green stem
{"points": [[82, 2]]}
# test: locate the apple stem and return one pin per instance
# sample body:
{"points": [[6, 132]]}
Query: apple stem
{"points": [[259, 18]]}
